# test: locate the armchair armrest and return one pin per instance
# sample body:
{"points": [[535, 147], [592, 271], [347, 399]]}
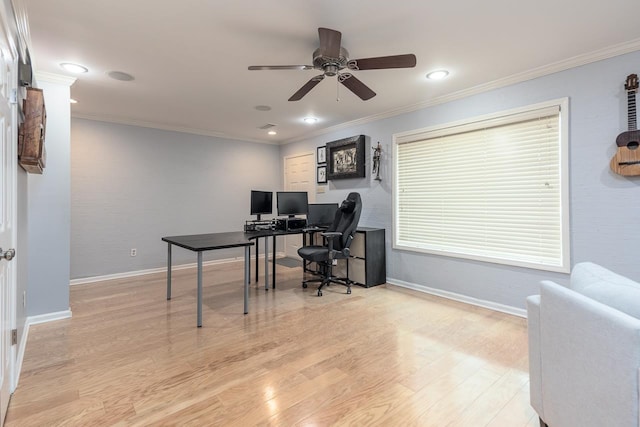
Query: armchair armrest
{"points": [[535, 364], [590, 356]]}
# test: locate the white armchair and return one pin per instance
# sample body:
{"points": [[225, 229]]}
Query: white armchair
{"points": [[584, 350]]}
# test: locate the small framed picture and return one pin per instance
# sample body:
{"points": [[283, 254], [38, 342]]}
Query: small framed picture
{"points": [[321, 176], [322, 154]]}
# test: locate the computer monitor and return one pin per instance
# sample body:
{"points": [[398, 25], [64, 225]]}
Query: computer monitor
{"points": [[292, 203], [261, 202], [321, 214]]}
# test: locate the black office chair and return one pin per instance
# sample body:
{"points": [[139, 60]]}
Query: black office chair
{"points": [[338, 238]]}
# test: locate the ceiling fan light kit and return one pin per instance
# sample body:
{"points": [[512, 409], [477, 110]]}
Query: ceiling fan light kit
{"points": [[331, 58]]}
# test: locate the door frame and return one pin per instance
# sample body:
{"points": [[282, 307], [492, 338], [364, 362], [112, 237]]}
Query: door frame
{"points": [[9, 188]]}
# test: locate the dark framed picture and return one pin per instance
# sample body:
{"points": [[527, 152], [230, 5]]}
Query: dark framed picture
{"points": [[321, 175], [345, 158], [321, 154]]}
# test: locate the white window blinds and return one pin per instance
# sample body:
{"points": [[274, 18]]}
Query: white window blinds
{"points": [[489, 190]]}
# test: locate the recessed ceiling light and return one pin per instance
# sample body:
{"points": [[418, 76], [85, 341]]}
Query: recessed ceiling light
{"points": [[74, 68], [262, 107], [310, 120], [272, 132], [437, 75], [72, 101], [120, 75]]}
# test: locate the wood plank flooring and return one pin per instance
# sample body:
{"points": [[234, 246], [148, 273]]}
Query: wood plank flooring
{"points": [[382, 356]]}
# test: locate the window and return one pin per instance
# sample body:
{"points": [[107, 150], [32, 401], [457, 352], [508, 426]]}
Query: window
{"points": [[493, 188]]}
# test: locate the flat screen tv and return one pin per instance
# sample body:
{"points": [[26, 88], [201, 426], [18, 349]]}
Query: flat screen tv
{"points": [[261, 202], [321, 214], [292, 203]]}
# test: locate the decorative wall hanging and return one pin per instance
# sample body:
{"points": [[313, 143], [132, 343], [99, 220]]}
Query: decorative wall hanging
{"points": [[321, 175], [377, 152], [321, 154], [346, 158], [626, 161]]}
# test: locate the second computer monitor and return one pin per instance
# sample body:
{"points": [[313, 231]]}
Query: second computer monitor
{"points": [[292, 203], [321, 214]]}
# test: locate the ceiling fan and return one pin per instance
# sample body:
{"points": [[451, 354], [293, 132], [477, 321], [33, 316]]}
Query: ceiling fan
{"points": [[331, 59]]}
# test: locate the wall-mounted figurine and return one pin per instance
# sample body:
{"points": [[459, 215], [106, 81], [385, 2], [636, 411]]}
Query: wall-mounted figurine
{"points": [[377, 152]]}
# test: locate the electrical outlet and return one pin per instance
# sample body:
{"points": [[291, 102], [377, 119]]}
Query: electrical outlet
{"points": [[134, 252]]}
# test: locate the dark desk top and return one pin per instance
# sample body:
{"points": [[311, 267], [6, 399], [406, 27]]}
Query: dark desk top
{"points": [[233, 239], [269, 233], [205, 242]]}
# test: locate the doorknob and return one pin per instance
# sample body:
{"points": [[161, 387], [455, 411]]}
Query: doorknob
{"points": [[8, 255]]}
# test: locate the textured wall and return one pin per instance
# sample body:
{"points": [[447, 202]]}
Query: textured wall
{"points": [[604, 206], [49, 211], [130, 186]]}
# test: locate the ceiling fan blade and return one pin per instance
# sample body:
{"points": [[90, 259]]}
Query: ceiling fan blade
{"points": [[306, 88], [330, 42], [383, 62], [356, 86], [281, 67]]}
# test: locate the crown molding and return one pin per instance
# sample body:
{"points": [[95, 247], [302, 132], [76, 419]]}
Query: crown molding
{"points": [[163, 126], [555, 67], [44, 76]]}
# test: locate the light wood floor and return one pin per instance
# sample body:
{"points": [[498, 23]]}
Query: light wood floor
{"points": [[380, 356]]}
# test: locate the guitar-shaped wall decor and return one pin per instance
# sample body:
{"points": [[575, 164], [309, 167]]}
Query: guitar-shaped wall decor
{"points": [[627, 159]]}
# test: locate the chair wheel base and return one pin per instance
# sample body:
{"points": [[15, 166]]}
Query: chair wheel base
{"points": [[348, 291], [319, 293], [304, 285]]}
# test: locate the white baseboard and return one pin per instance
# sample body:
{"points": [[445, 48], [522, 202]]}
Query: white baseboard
{"points": [[34, 320], [49, 317], [520, 312], [127, 274]]}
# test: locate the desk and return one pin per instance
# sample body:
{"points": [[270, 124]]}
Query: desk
{"points": [[206, 242]]}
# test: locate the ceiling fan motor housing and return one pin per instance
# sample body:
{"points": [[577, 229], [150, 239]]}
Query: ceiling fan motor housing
{"points": [[329, 65]]}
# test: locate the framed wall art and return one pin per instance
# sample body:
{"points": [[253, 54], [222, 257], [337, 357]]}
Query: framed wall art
{"points": [[345, 158], [321, 154], [321, 176]]}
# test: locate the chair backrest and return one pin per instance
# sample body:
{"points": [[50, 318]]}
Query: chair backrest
{"points": [[346, 221]]}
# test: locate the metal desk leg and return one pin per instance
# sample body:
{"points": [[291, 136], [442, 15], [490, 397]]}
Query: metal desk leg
{"points": [[304, 261], [257, 256], [273, 264], [247, 277], [199, 289], [266, 263], [169, 271]]}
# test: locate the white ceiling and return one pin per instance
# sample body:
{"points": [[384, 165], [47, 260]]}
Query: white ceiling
{"points": [[190, 58]]}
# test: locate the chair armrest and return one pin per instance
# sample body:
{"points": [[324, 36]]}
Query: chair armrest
{"points": [[590, 356], [331, 234], [535, 364]]}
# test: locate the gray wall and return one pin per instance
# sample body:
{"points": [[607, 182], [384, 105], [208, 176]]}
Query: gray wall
{"points": [[22, 247], [130, 186], [604, 207], [49, 212]]}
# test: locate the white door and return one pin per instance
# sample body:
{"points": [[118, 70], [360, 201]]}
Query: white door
{"points": [[299, 175], [8, 165]]}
